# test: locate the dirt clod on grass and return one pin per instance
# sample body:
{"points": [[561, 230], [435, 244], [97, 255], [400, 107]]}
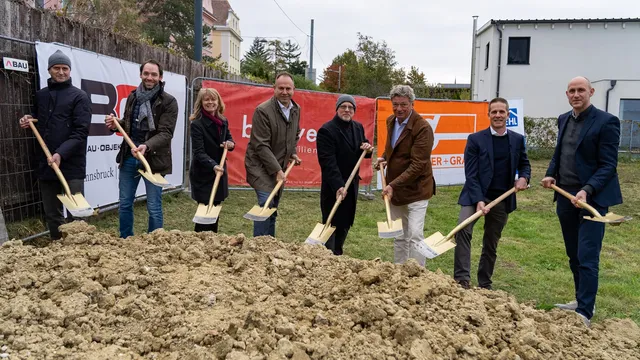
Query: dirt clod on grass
{"points": [[185, 295]]}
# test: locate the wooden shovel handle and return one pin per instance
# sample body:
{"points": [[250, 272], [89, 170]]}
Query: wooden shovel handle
{"points": [[278, 185], [47, 153], [478, 213], [582, 204], [346, 186], [385, 197], [132, 145], [218, 176]]}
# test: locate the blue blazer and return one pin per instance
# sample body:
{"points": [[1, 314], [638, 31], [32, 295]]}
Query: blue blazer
{"points": [[596, 157], [478, 166]]}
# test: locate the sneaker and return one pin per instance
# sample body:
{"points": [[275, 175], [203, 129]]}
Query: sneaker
{"points": [[586, 321], [572, 306], [464, 284]]}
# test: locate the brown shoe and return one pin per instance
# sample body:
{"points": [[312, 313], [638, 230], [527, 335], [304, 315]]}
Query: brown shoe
{"points": [[464, 284]]}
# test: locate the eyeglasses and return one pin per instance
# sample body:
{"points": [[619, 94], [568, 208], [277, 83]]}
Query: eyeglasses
{"points": [[346, 108]]}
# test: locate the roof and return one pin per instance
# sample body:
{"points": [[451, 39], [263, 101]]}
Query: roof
{"points": [[220, 11], [553, 21], [455, 86]]}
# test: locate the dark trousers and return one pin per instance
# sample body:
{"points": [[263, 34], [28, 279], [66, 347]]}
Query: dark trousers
{"points": [[494, 222], [336, 241], [583, 242], [209, 227], [52, 206]]}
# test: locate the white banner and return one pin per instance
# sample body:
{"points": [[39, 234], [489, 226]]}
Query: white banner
{"points": [[108, 81]]}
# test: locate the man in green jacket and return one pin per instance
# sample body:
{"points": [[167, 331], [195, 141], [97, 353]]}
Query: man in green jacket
{"points": [[274, 136]]}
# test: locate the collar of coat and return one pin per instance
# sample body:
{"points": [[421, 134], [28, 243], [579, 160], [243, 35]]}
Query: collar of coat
{"points": [[52, 85], [412, 120], [276, 106]]}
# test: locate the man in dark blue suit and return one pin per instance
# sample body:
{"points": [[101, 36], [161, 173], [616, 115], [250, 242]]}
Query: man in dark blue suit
{"points": [[491, 159], [584, 164]]}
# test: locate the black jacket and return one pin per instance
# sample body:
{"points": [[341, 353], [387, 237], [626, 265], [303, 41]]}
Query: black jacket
{"points": [[206, 138], [165, 115], [64, 116], [338, 155], [478, 166]]}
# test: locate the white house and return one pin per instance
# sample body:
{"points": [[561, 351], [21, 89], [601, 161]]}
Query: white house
{"points": [[535, 59]]}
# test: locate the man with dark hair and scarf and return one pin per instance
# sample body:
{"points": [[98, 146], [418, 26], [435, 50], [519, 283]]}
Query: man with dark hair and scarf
{"points": [[150, 117], [340, 143], [64, 115]]}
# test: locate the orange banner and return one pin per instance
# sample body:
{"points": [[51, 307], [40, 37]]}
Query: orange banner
{"points": [[452, 123], [316, 109]]}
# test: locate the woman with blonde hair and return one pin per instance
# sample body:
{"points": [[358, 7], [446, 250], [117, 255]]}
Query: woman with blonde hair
{"points": [[209, 135]]}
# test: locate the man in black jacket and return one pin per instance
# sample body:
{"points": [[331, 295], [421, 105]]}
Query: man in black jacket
{"points": [[150, 117], [64, 116], [340, 144]]}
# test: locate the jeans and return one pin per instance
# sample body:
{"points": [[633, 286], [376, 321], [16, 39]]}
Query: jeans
{"points": [[412, 215], [494, 223], [267, 227], [583, 242], [52, 205], [128, 181]]}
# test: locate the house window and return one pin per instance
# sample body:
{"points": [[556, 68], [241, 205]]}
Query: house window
{"points": [[486, 57], [519, 50], [629, 124]]}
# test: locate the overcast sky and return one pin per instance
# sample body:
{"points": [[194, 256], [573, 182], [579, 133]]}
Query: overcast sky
{"points": [[432, 35]]}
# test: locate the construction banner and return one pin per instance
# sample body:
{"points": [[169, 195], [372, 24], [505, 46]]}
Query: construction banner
{"points": [[316, 109], [452, 122]]}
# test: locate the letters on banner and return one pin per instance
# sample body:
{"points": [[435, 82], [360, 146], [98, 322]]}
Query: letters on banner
{"points": [[316, 109], [108, 81], [452, 122]]}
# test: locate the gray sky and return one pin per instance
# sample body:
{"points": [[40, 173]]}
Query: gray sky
{"points": [[432, 35]]}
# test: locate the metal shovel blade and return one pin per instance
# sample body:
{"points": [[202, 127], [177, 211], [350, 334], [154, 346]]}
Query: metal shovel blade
{"points": [[206, 215], [387, 232], [155, 179], [433, 246], [258, 213], [77, 205], [320, 235], [610, 218]]}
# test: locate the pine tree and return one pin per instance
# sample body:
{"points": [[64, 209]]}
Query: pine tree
{"points": [[256, 60]]}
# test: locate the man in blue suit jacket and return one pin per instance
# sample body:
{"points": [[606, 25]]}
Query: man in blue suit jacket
{"points": [[584, 164], [491, 159]]}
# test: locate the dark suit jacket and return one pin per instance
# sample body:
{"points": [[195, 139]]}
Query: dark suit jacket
{"points": [[596, 157], [206, 138], [478, 166], [409, 170], [337, 156]]}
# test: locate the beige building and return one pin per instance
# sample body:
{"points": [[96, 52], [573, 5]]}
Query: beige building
{"points": [[225, 38]]}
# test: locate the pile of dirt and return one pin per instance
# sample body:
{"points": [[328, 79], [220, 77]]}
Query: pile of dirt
{"points": [[185, 295]]}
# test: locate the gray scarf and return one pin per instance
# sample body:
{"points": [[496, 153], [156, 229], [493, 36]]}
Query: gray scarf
{"points": [[144, 96]]}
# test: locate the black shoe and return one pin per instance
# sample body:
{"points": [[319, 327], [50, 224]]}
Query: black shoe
{"points": [[487, 287], [464, 284]]}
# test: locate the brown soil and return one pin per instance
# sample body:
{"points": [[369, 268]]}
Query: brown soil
{"points": [[183, 295]]}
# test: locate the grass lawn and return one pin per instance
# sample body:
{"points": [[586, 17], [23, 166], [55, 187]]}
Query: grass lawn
{"points": [[531, 262]]}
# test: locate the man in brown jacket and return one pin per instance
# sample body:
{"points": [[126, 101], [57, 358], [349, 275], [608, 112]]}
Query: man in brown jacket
{"points": [[409, 175], [274, 136], [150, 117]]}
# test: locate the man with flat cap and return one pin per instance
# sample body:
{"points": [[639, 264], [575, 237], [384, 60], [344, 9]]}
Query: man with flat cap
{"points": [[340, 143], [64, 116]]}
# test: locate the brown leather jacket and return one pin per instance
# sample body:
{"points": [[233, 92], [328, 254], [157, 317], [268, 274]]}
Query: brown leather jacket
{"points": [[272, 143], [409, 169], [165, 113]]}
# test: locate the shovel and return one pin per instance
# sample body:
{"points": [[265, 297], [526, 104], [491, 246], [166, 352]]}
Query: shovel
{"points": [[155, 179], [208, 214], [609, 218], [321, 233], [76, 204], [437, 244], [391, 228], [262, 213]]}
